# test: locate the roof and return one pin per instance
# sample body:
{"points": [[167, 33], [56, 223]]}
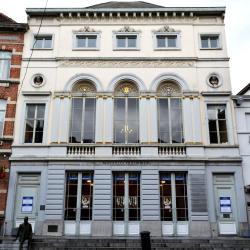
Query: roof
{"points": [[124, 5], [7, 24], [244, 90]]}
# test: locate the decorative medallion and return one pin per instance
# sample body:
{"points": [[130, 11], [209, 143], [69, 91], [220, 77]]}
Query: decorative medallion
{"points": [[86, 29], [38, 80], [84, 87], [214, 80], [169, 89], [126, 89], [166, 28], [126, 29]]}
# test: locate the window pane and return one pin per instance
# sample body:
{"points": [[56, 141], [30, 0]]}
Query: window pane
{"points": [[132, 41], [119, 120], [120, 41], [134, 197], [5, 60], [48, 42], [214, 41], [89, 121], [172, 41], [29, 131], [92, 41], [204, 41], [213, 137], [161, 41], [76, 120], [176, 120], [133, 120], [163, 121], [38, 42], [86, 196], [71, 195], [81, 41], [166, 197], [40, 111], [118, 196]]}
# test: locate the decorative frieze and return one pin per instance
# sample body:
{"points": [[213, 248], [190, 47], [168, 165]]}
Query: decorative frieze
{"points": [[127, 64]]}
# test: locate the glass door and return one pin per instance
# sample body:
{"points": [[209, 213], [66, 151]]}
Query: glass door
{"points": [[126, 203], [78, 203], [174, 203]]}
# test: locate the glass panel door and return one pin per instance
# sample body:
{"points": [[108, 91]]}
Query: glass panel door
{"points": [[174, 203], [78, 202], [126, 203]]}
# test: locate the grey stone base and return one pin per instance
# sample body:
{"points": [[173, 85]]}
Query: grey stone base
{"points": [[154, 227], [102, 228], [200, 229], [53, 223]]}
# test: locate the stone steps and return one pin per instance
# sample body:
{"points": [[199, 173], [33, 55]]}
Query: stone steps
{"points": [[67, 243]]}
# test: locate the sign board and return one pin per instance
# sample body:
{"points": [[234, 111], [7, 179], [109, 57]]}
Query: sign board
{"points": [[225, 205], [27, 204]]}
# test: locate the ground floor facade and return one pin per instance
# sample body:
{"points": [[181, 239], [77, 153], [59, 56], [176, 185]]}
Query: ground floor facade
{"points": [[124, 197]]}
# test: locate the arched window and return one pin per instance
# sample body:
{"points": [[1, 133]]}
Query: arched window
{"points": [[170, 126], [82, 123], [126, 113]]}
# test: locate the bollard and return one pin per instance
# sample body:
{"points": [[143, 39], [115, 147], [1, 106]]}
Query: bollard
{"points": [[145, 240]]}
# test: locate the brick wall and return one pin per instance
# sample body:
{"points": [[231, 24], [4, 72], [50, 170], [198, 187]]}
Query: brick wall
{"points": [[8, 91]]}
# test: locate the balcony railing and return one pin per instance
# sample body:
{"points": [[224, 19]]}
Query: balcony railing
{"points": [[126, 150], [86, 150], [171, 150], [81, 150]]}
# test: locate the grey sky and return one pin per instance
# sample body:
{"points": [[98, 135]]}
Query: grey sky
{"points": [[237, 26]]}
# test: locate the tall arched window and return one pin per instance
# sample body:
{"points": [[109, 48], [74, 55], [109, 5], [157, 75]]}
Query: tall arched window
{"points": [[170, 126], [82, 123], [126, 113]]}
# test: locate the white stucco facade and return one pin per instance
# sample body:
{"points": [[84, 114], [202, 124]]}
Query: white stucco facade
{"points": [[206, 166]]}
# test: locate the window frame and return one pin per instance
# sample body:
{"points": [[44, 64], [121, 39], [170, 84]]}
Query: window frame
{"points": [[83, 98], [4, 114], [126, 98], [116, 48], [74, 39], [170, 120], [42, 36], [227, 124], [210, 35], [178, 40], [9, 63]]}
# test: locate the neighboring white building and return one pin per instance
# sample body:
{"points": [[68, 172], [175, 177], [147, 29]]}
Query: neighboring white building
{"points": [[242, 109], [125, 123]]}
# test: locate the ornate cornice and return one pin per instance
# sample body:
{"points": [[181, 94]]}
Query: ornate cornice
{"points": [[166, 28], [127, 29]]}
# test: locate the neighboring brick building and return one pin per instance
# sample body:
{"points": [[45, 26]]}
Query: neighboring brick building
{"points": [[11, 48]]}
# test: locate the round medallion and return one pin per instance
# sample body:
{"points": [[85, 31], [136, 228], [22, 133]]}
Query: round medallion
{"points": [[214, 80], [38, 80]]}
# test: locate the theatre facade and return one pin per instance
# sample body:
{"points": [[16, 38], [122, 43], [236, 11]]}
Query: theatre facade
{"points": [[125, 123]]}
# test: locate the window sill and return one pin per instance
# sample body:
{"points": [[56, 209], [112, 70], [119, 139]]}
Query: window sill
{"points": [[126, 49], [85, 49], [167, 49], [211, 48], [41, 48]]}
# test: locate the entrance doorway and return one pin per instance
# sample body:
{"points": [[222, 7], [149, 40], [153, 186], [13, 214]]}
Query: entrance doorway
{"points": [[174, 203], [78, 203], [126, 203], [225, 206], [27, 197]]}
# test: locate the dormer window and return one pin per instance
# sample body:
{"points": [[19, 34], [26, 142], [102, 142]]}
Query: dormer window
{"points": [[43, 41]]}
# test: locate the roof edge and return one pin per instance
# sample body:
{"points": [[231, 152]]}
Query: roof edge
{"points": [[244, 90]]}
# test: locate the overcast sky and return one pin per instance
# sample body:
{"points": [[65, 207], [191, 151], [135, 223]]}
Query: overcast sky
{"points": [[237, 26]]}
